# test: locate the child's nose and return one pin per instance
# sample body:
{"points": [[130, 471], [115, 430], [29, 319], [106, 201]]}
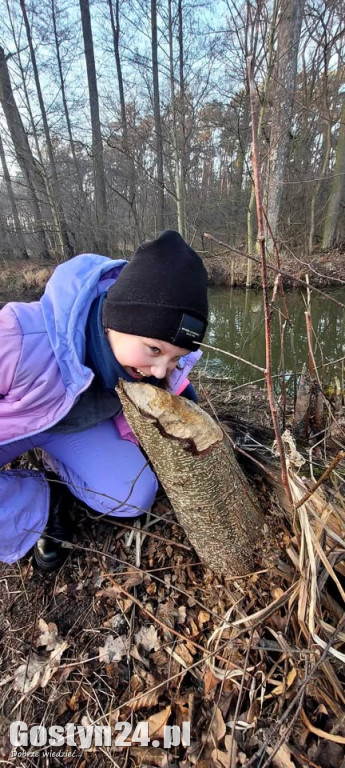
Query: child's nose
{"points": [[159, 370]]}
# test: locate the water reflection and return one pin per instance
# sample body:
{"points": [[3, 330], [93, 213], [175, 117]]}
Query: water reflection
{"points": [[236, 324]]}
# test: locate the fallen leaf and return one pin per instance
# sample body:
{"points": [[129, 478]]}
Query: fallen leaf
{"points": [[282, 758], [48, 635], [27, 676], [217, 730], [109, 593], [73, 701], [147, 637], [159, 658], [193, 628], [149, 756], [61, 590], [53, 663], [39, 670], [146, 701], [115, 622], [203, 617], [210, 680], [136, 655], [182, 614], [284, 685], [113, 649], [220, 758], [133, 580], [157, 722], [277, 592]]}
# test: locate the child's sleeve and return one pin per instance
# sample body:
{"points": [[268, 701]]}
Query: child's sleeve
{"points": [[10, 348]]}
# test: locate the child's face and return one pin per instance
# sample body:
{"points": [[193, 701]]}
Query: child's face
{"points": [[141, 357]]}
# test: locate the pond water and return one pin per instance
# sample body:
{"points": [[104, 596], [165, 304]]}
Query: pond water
{"points": [[236, 325]]}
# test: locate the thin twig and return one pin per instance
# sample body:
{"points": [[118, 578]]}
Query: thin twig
{"points": [[235, 357]]}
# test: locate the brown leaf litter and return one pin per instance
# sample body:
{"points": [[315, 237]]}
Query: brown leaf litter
{"points": [[255, 664]]}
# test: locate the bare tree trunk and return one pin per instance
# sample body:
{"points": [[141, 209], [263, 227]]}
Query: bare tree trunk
{"points": [[178, 166], [67, 248], [97, 144], [42, 183], [12, 199], [64, 101], [326, 151], [157, 116], [182, 121], [23, 152], [337, 186], [326, 143], [115, 26], [251, 237], [289, 31]]}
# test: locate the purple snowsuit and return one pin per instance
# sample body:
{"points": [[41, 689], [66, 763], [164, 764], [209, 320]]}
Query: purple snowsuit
{"points": [[42, 375]]}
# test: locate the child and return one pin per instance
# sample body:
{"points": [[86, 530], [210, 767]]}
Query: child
{"points": [[60, 360]]}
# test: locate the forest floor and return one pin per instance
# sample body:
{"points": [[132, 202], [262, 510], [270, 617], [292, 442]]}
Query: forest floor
{"points": [[325, 268], [22, 281], [134, 628]]}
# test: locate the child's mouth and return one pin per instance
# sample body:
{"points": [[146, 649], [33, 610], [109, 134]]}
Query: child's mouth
{"points": [[136, 373]]}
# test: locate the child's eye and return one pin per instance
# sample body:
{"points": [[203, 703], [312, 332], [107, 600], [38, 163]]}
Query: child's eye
{"points": [[155, 349]]}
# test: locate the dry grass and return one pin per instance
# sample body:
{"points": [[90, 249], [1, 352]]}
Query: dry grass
{"points": [[19, 282]]}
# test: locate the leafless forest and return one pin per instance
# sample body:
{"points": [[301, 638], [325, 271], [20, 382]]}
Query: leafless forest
{"points": [[122, 117]]}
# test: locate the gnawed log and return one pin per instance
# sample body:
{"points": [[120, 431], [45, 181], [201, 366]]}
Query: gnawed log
{"points": [[197, 467]]}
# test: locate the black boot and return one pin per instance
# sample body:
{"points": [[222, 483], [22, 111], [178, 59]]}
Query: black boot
{"points": [[49, 553]]}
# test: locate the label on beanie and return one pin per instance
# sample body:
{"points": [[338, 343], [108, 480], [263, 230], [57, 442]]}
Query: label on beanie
{"points": [[190, 329]]}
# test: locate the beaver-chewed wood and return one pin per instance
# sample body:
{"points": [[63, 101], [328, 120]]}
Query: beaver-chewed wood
{"points": [[198, 470]]}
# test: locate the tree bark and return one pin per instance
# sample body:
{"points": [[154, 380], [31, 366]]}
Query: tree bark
{"points": [[337, 187], [97, 144], [23, 152], [199, 472], [66, 245], [289, 31], [18, 229], [157, 117], [326, 141]]}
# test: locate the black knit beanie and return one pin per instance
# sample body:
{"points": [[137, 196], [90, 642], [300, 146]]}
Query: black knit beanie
{"points": [[161, 293]]}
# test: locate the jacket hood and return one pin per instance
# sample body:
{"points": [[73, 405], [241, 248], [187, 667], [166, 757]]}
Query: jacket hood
{"points": [[65, 304]]}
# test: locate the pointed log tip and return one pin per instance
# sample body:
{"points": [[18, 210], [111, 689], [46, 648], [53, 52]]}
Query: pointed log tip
{"points": [[175, 417]]}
